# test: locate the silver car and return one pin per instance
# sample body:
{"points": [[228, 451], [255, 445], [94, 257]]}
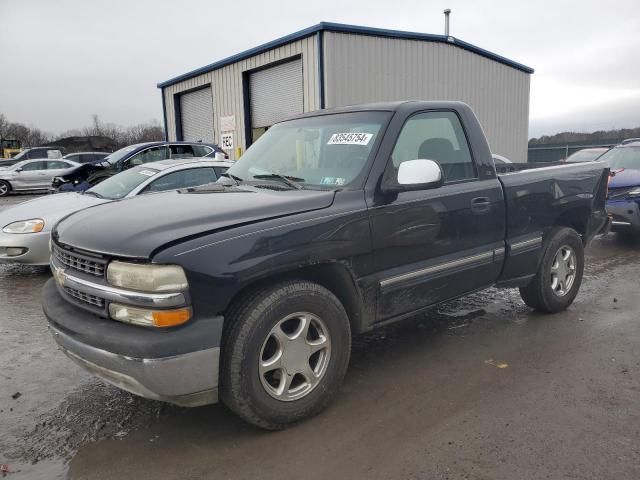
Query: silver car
{"points": [[26, 228], [33, 174]]}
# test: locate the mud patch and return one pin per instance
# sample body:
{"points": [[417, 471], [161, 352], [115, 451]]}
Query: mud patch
{"points": [[88, 414]]}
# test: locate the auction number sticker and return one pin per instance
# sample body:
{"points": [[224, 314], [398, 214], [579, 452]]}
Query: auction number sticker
{"points": [[350, 139]]}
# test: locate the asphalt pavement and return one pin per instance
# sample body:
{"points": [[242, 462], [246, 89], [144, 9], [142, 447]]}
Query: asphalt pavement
{"points": [[481, 388]]}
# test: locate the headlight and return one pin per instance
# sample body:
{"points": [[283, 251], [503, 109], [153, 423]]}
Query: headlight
{"points": [[147, 278], [34, 225]]}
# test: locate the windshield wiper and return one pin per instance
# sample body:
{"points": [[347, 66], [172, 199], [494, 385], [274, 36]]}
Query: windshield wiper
{"points": [[236, 180], [88, 192], [291, 181]]}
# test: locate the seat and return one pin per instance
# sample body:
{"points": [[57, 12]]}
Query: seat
{"points": [[437, 149]]}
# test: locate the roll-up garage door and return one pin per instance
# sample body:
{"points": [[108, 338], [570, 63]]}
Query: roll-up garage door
{"points": [[196, 114], [276, 94]]}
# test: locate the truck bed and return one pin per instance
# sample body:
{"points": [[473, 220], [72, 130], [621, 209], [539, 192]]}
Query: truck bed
{"points": [[538, 198]]}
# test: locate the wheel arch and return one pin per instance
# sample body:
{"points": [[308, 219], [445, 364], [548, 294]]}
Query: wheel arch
{"points": [[576, 218], [336, 277], [8, 185]]}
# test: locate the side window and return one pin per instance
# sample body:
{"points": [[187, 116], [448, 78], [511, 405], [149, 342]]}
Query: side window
{"points": [[74, 158], [436, 136], [181, 151], [202, 150], [152, 154], [32, 166], [56, 165], [183, 179]]}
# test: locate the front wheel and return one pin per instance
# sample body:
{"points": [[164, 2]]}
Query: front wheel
{"points": [[5, 188], [559, 275], [285, 354]]}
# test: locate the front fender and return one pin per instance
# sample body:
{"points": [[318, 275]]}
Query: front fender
{"points": [[222, 264]]}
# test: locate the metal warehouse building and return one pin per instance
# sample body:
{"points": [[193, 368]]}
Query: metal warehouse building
{"points": [[233, 101]]}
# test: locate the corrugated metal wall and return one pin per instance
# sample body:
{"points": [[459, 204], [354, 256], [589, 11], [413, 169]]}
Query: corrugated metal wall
{"points": [[360, 69], [227, 88]]}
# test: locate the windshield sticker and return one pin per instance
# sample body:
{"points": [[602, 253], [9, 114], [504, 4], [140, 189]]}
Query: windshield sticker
{"points": [[332, 181], [148, 173], [350, 139]]}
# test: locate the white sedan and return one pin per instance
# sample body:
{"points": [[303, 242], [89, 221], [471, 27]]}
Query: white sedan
{"points": [[26, 227]]}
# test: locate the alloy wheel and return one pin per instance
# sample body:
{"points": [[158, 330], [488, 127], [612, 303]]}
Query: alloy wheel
{"points": [[294, 356], [563, 270]]}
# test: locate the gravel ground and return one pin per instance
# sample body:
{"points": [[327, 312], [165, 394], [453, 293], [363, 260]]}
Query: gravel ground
{"points": [[423, 399]]}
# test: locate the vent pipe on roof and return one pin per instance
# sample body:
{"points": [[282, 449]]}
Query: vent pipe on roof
{"points": [[447, 12]]}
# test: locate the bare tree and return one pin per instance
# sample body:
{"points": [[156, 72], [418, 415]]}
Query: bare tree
{"points": [[117, 134]]}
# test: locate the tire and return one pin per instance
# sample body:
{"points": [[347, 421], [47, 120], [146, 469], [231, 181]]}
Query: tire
{"points": [[543, 293], [251, 340], [5, 188]]}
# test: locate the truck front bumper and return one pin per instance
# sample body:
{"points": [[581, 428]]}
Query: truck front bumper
{"points": [[131, 357], [625, 215]]}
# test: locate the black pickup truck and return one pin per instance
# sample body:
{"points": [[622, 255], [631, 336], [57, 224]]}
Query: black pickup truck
{"points": [[331, 224]]}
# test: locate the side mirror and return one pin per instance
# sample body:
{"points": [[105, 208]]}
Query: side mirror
{"points": [[18, 170], [418, 174]]}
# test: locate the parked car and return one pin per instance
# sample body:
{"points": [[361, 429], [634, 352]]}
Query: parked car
{"points": [[586, 155], [32, 153], [623, 201], [331, 224], [31, 175], [26, 228], [86, 157], [503, 164], [91, 174]]}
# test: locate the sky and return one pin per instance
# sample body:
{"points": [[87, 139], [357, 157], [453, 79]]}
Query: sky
{"points": [[61, 61]]}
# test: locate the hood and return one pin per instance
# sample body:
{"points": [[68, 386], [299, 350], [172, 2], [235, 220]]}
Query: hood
{"points": [[625, 178], [50, 208], [138, 226]]}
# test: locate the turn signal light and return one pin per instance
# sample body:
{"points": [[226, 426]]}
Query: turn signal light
{"points": [[149, 318], [171, 318]]}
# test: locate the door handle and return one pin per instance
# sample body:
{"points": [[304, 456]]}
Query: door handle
{"points": [[480, 205]]}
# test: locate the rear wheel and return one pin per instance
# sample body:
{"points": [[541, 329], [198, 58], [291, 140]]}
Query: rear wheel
{"points": [[559, 275], [286, 351], [5, 188]]}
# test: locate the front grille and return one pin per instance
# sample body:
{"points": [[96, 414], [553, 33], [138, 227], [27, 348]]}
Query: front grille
{"points": [[80, 263], [85, 297], [617, 193]]}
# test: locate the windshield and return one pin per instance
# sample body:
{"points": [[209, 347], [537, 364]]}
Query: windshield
{"points": [[119, 154], [120, 185], [22, 155], [326, 151], [587, 155], [622, 157]]}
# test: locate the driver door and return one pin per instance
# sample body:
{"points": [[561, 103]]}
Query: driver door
{"points": [[31, 176], [435, 244]]}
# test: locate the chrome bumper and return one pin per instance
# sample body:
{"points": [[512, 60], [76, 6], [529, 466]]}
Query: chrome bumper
{"points": [[625, 215], [188, 380]]}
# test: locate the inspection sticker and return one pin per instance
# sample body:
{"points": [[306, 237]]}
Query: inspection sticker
{"points": [[350, 139], [332, 181]]}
